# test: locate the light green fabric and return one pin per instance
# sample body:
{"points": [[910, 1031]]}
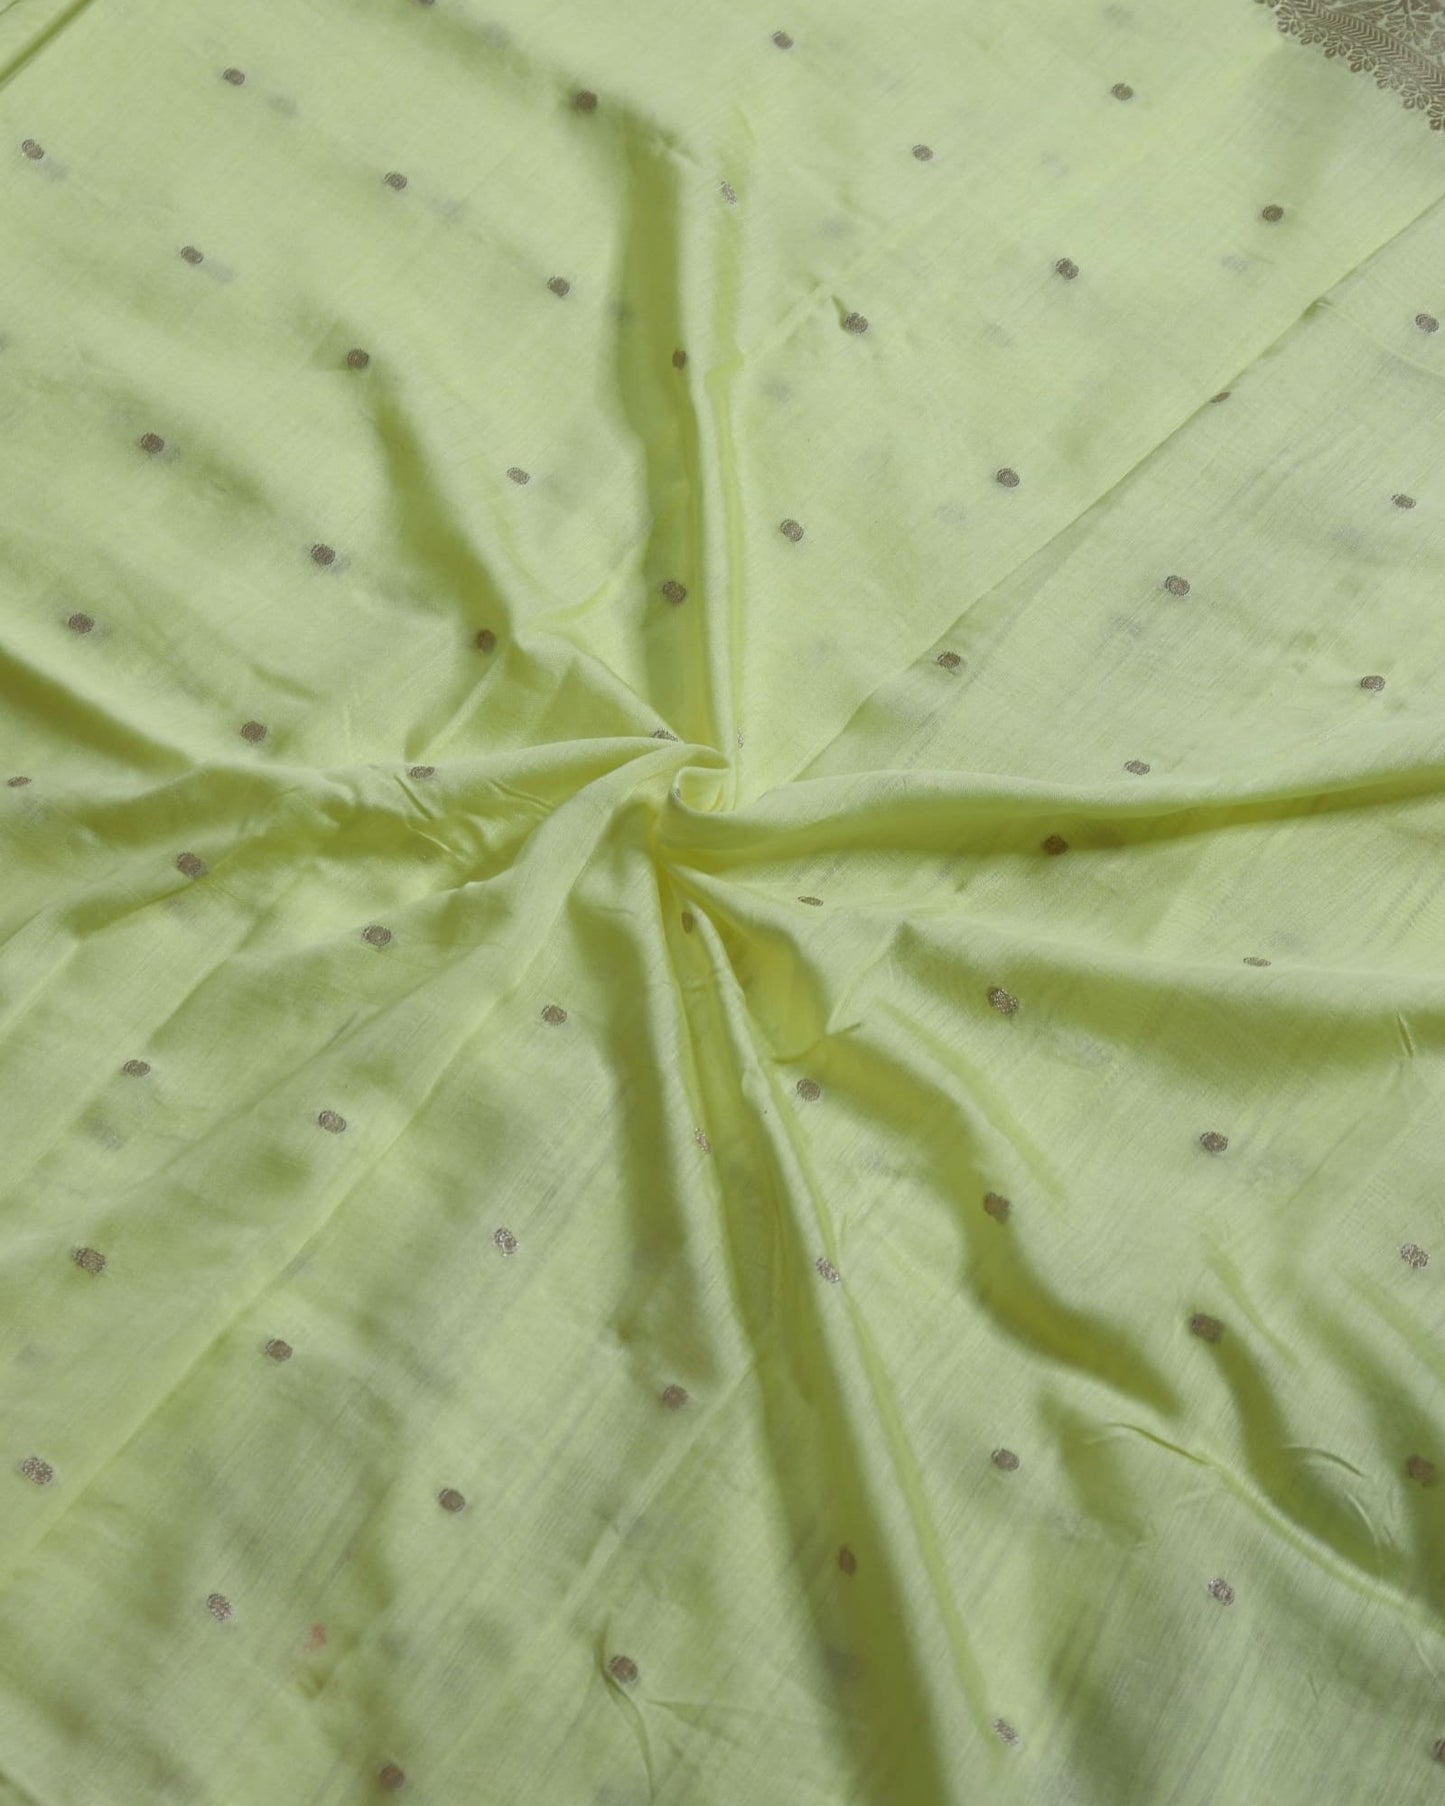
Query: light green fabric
{"points": [[653, 1159]]}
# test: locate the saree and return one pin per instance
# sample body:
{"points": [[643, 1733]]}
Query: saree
{"points": [[721, 980]]}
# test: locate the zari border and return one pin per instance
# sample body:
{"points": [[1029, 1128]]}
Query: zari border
{"points": [[1354, 32]]}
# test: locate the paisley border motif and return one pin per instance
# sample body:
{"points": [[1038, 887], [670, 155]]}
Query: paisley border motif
{"points": [[1399, 42]]}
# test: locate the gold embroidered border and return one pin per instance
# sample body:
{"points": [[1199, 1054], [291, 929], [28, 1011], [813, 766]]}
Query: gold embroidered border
{"points": [[1399, 42]]}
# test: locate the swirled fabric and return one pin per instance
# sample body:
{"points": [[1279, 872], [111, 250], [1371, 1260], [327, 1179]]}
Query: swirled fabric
{"points": [[722, 962]]}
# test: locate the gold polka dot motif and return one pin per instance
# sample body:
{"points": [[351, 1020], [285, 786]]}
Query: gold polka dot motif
{"points": [[36, 1471], [136, 1069], [278, 1351], [1005, 1460], [89, 1260], [506, 1242], [826, 1270], [623, 1670], [1222, 1591], [997, 1206], [1213, 1142], [554, 1015], [31, 149], [236, 77], [1208, 1329], [390, 1778], [1427, 322], [674, 1397], [1003, 1001], [331, 1122], [1413, 1255], [451, 1500], [809, 1090], [220, 1608], [791, 530], [1374, 683], [847, 1561]]}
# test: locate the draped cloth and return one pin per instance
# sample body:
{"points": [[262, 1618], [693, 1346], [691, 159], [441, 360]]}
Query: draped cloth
{"points": [[722, 969]]}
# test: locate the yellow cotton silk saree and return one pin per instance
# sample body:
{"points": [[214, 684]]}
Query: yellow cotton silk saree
{"points": [[723, 972]]}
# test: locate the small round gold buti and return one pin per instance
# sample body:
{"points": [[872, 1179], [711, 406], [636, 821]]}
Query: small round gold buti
{"points": [[679, 359], [790, 529], [421, 772], [1138, 767], [31, 149], [486, 640], [1421, 1471], [1375, 683], [689, 921], [1272, 214], [1222, 1591], [36, 1471], [331, 1122], [390, 1778], [519, 476], [1208, 1329], [236, 77], [855, 323], [151, 444], [584, 101], [1413, 1255], [923, 153], [1003, 1001], [1006, 478], [1254, 959], [950, 661], [1067, 268], [812, 902], [80, 623], [136, 1069], [559, 286], [1003, 1730], [623, 1670], [997, 1206], [1427, 322], [357, 359], [190, 254], [89, 1260], [782, 40], [254, 731], [376, 935], [323, 554], [1054, 845], [394, 179], [554, 1014], [18, 782], [826, 1270], [729, 194], [1005, 1460], [1403, 501], [1177, 586], [220, 1607], [451, 1500], [674, 591], [190, 865], [505, 1241], [809, 1090], [278, 1351], [847, 1561], [1122, 91], [674, 1397], [1213, 1142]]}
